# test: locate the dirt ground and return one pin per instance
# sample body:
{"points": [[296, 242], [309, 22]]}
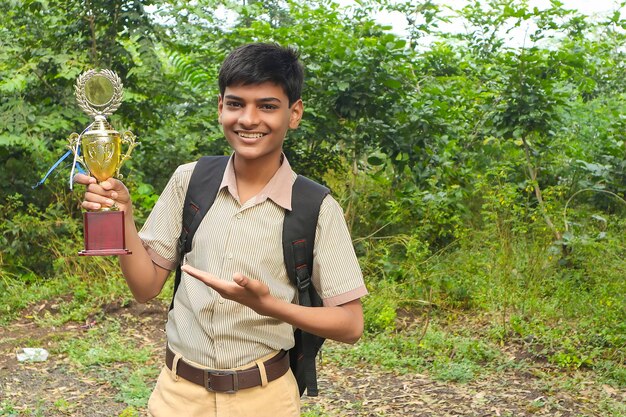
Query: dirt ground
{"points": [[52, 388]]}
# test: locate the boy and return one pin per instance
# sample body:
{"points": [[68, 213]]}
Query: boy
{"points": [[234, 306]]}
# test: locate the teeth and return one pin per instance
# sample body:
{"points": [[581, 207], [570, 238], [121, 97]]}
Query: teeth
{"points": [[250, 135]]}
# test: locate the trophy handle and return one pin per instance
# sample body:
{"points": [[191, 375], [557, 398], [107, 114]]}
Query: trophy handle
{"points": [[73, 140], [128, 138]]}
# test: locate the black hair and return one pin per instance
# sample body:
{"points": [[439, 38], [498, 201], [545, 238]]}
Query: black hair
{"points": [[256, 63]]}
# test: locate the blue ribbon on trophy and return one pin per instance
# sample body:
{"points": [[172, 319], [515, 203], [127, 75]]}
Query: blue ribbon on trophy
{"points": [[75, 163]]}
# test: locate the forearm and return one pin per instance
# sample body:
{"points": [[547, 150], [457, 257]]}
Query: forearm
{"points": [[342, 323], [144, 278]]}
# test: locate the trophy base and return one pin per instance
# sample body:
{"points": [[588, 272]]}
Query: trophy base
{"points": [[104, 252], [104, 234]]}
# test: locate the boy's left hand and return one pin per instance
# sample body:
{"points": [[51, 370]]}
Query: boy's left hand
{"points": [[246, 291], [343, 322]]}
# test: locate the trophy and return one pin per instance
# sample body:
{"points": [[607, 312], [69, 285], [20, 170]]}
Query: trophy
{"points": [[99, 94]]}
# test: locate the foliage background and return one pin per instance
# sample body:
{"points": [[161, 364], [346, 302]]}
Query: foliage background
{"points": [[478, 178]]}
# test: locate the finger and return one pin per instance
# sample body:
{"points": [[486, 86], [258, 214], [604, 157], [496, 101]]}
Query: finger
{"points": [[191, 270], [99, 199], [112, 184], [88, 205], [241, 279], [97, 189], [251, 286], [84, 179], [108, 184], [116, 188], [205, 277]]}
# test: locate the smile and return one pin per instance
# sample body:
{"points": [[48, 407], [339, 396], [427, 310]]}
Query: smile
{"points": [[251, 135]]}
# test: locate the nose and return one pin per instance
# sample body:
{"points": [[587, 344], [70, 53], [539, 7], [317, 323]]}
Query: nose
{"points": [[249, 117]]}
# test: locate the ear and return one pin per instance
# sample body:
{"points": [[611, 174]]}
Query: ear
{"points": [[220, 107], [296, 111]]}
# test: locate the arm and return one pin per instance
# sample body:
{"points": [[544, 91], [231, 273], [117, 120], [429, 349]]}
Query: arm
{"points": [[144, 278], [343, 323]]}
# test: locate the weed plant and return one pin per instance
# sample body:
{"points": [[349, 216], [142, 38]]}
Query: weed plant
{"points": [[560, 301]]}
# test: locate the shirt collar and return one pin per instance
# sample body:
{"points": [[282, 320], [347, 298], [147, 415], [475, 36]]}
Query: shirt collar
{"points": [[278, 189]]}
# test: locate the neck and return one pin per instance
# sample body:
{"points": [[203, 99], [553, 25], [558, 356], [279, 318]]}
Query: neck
{"points": [[256, 172]]}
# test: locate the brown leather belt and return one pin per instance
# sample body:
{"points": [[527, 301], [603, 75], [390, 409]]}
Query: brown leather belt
{"points": [[229, 381]]}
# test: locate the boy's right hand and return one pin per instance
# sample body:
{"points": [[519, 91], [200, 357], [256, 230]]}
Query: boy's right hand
{"points": [[105, 194]]}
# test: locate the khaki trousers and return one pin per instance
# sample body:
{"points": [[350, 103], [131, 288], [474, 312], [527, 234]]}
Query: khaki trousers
{"points": [[177, 397]]}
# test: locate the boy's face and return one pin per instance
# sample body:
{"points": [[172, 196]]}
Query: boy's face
{"points": [[255, 119]]}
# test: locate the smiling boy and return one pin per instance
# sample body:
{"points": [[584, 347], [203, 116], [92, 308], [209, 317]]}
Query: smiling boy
{"points": [[234, 308]]}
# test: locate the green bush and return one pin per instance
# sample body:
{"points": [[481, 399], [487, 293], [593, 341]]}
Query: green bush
{"points": [[38, 243]]}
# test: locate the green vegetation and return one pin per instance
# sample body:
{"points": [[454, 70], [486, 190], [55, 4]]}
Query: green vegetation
{"points": [[483, 181]]}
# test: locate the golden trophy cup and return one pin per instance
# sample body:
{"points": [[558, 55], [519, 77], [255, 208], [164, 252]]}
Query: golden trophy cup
{"points": [[99, 94]]}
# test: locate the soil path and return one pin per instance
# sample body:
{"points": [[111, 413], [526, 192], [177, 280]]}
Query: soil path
{"points": [[53, 388]]}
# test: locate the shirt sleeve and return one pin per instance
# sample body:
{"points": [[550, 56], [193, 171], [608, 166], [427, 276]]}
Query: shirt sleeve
{"points": [[337, 276], [162, 229]]}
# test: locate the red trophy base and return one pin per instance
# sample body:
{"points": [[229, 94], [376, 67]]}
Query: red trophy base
{"points": [[104, 233]]}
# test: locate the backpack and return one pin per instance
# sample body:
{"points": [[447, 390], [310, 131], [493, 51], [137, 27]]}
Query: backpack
{"points": [[298, 239]]}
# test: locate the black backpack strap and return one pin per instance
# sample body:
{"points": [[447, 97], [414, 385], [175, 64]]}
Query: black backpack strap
{"points": [[298, 242], [299, 231], [203, 187]]}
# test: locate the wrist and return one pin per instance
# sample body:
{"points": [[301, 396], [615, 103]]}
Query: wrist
{"points": [[128, 214], [271, 306]]}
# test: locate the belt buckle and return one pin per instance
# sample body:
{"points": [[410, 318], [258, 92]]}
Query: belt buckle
{"points": [[207, 380]]}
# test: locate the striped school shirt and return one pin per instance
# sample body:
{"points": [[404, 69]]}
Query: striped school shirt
{"points": [[221, 334]]}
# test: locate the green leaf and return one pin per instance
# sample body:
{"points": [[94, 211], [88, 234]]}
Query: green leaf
{"points": [[342, 85], [375, 160], [391, 83]]}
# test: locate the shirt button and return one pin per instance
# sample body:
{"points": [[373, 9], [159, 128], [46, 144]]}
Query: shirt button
{"points": [[239, 215], [221, 300], [229, 256]]}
